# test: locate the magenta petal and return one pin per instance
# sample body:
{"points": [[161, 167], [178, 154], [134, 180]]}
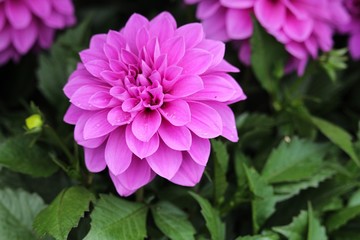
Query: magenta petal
{"points": [[101, 99], [165, 161], [177, 138], [81, 98], [135, 22], [237, 4], [5, 38], [192, 33], [195, 61], [296, 49], [162, 26], [205, 121], [94, 159], [146, 124], [46, 37], [64, 6], [95, 67], [2, 17], [97, 125], [174, 48], [189, 173], [79, 133], [296, 29], [117, 154], [18, 14], [73, 114], [41, 8], [139, 148], [186, 85], [207, 9], [137, 175], [177, 112], [200, 150], [354, 46], [216, 48], [121, 190], [24, 39], [239, 24], [118, 117], [271, 14]]}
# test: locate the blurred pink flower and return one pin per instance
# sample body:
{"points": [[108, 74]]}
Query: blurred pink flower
{"points": [[303, 26], [146, 100], [353, 27], [25, 24]]}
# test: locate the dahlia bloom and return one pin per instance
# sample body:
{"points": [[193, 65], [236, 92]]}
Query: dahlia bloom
{"points": [[303, 26], [353, 27], [25, 24], [146, 100]]}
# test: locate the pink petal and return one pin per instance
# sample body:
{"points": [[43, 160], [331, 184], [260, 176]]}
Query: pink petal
{"points": [[177, 138], [228, 119], [55, 20], [118, 117], [200, 150], [216, 48], [296, 49], [271, 14], [94, 159], [192, 33], [215, 26], [42, 8], [237, 4], [24, 39], [165, 161], [135, 22], [189, 173], [97, 41], [207, 8], [354, 46], [162, 26], [186, 85], [101, 99], [46, 37], [177, 112], [117, 154], [95, 67], [17, 13], [146, 124], [239, 24], [97, 125], [174, 48], [81, 98], [137, 175], [142, 37], [121, 190], [73, 114], [139, 148], [89, 55], [79, 133], [296, 29], [205, 121], [64, 6], [195, 61], [2, 17], [78, 79], [5, 38], [115, 39]]}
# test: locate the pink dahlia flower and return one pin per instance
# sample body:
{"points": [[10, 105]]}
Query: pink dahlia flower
{"points": [[303, 26], [353, 28], [146, 100], [25, 24]]}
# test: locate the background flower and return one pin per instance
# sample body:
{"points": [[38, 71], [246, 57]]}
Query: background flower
{"points": [[303, 26], [146, 100], [25, 24], [353, 27]]}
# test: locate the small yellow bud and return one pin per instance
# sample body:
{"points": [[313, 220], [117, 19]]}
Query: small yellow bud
{"points": [[34, 121]]}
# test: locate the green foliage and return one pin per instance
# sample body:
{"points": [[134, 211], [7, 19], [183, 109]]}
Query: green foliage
{"points": [[115, 218], [172, 221], [213, 222], [17, 212], [21, 154], [63, 213]]}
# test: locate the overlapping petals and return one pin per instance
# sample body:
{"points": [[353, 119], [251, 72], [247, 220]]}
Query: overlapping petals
{"points": [[146, 100], [353, 27], [25, 24]]}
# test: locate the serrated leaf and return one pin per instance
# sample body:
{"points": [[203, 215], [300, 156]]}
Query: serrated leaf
{"points": [[341, 217], [221, 163], [63, 213], [172, 221], [298, 160], [287, 190], [20, 154], [297, 229], [315, 230], [265, 236], [55, 68], [212, 218], [268, 57], [338, 136], [17, 212], [117, 219], [263, 204]]}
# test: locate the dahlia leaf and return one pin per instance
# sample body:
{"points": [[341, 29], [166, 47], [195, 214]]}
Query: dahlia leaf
{"points": [[297, 160], [17, 211], [268, 58], [221, 163], [315, 230], [172, 221], [115, 218], [63, 213], [338, 136], [341, 217], [263, 204], [263, 236], [212, 218], [20, 154]]}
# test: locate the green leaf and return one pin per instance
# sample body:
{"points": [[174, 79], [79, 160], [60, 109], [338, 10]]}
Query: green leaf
{"points": [[220, 168], [172, 221], [115, 218], [268, 58], [212, 218], [264, 236], [55, 68], [263, 204], [17, 212], [341, 217], [20, 154], [63, 213], [297, 229], [315, 230], [338, 136], [294, 161]]}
